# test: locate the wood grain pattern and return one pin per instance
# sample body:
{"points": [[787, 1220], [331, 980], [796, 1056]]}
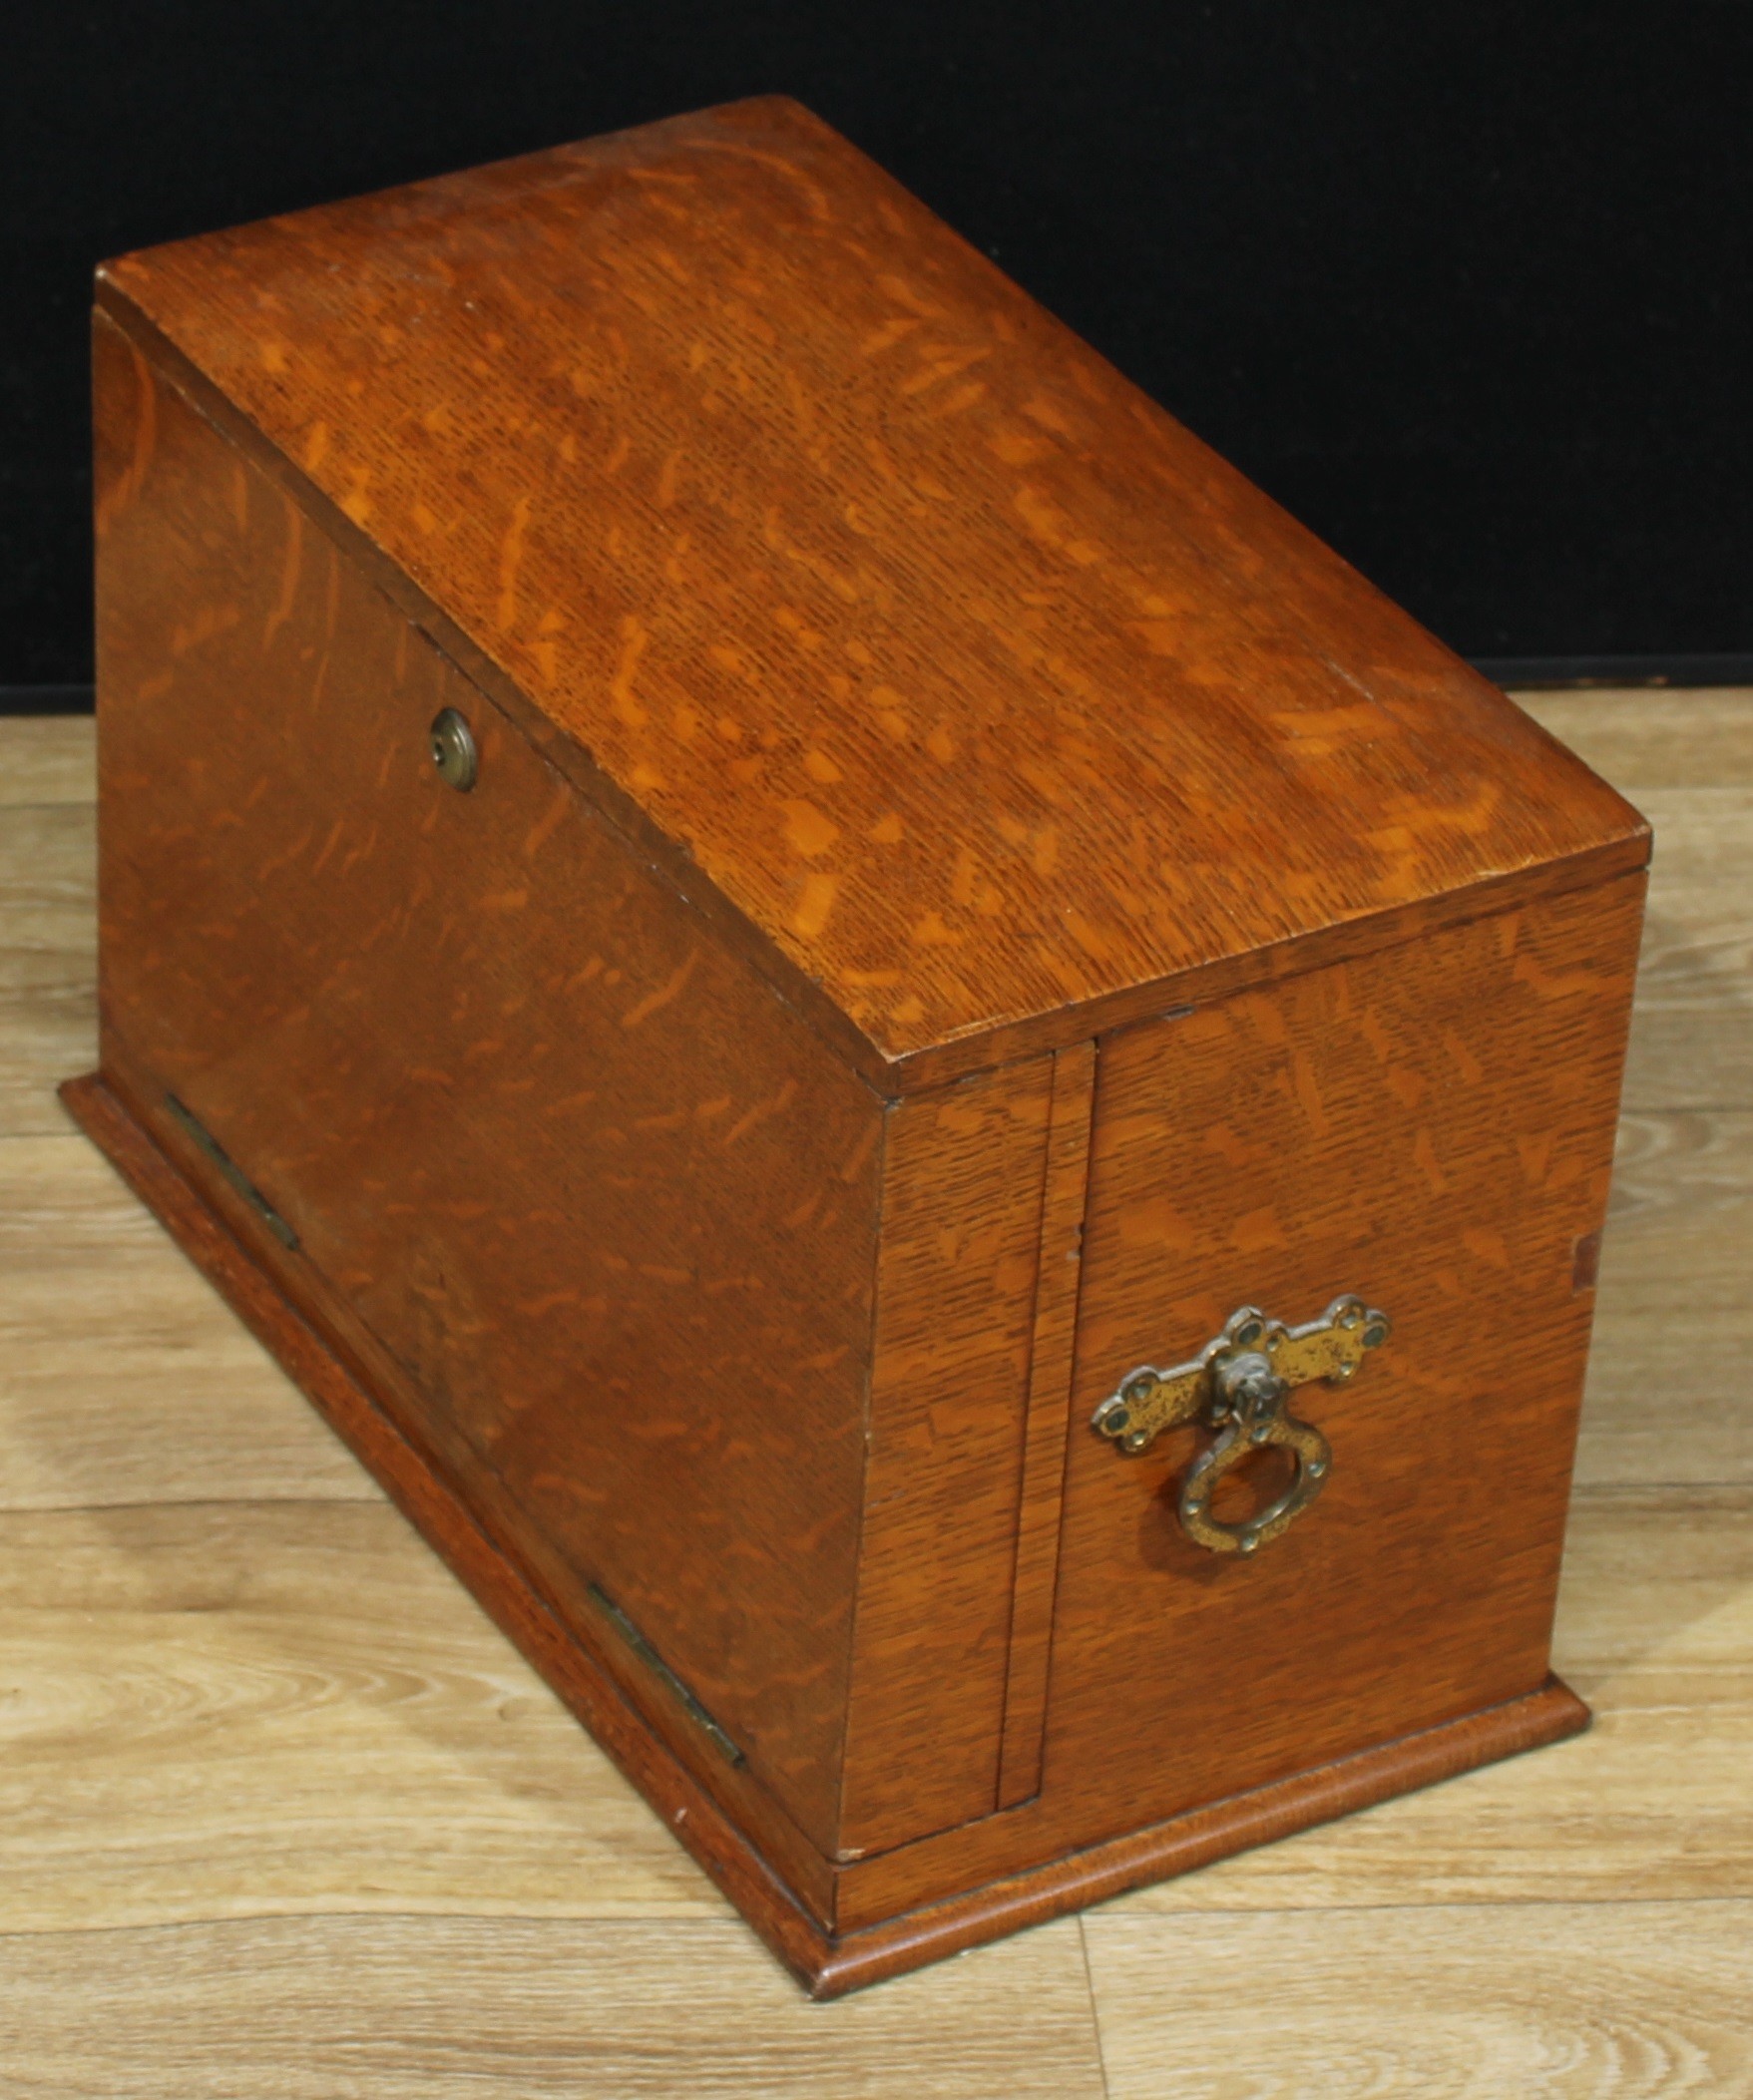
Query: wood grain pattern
{"points": [[1639, 739], [1694, 1041], [617, 1698], [1548, 2001], [661, 1161], [163, 1398], [48, 758], [412, 2008], [839, 1941], [607, 1202], [368, 1695], [1041, 1498], [964, 1175], [47, 1002], [73, 1391], [428, 1227], [1644, 741], [1655, 1631], [1676, 1316], [1425, 1559], [1433, 1130], [830, 549]]}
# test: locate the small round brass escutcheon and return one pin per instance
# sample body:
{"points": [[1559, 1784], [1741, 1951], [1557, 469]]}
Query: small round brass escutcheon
{"points": [[453, 750]]}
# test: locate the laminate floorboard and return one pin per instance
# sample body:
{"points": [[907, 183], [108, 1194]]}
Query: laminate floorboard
{"points": [[1686, 760], [471, 2009], [280, 1814], [122, 1378], [47, 758], [276, 1707], [1589, 2001], [48, 953]]}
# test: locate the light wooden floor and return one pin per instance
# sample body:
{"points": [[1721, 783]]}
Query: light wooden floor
{"points": [[281, 1816]]}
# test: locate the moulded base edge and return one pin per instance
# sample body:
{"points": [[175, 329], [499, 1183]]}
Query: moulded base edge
{"points": [[827, 1963]]}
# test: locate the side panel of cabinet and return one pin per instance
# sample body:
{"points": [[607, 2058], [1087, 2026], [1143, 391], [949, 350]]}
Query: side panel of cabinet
{"points": [[1433, 1128], [609, 1203]]}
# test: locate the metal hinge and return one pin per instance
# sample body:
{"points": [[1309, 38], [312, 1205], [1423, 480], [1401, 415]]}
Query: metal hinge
{"points": [[232, 1172], [653, 1662]]}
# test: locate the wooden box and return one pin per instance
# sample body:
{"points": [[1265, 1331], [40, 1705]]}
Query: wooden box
{"points": [[739, 893]]}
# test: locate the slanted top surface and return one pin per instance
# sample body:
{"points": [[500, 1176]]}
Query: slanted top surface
{"points": [[974, 681]]}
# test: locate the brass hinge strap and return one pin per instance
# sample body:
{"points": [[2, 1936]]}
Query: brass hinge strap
{"points": [[231, 1171], [660, 1669]]}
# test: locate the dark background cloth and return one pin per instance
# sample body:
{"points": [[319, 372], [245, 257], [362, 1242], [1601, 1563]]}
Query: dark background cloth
{"points": [[1464, 285]]}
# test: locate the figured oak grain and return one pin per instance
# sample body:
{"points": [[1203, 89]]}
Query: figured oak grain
{"points": [[1679, 751], [531, 1593], [1617, 1813], [1040, 1497], [829, 552], [817, 1571], [1655, 1630], [860, 1946], [656, 1160], [964, 1175], [1433, 1130], [608, 1203]]}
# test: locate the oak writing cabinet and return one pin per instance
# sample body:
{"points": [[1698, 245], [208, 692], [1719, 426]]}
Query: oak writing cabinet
{"points": [[933, 1095]]}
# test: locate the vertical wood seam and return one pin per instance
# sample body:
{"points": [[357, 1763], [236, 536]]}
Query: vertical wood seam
{"points": [[1059, 1280], [1043, 1233], [885, 1134], [956, 1303]]}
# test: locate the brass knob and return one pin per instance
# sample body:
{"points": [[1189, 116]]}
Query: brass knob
{"points": [[453, 750]]}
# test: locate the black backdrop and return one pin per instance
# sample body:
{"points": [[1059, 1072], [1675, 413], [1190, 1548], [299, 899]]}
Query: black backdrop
{"points": [[1466, 287]]}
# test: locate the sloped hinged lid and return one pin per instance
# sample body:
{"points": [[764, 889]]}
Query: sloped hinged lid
{"points": [[995, 704]]}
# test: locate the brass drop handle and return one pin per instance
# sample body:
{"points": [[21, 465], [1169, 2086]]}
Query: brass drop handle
{"points": [[1239, 1385]]}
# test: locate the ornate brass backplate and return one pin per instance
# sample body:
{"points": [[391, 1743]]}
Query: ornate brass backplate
{"points": [[1239, 1385]]}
